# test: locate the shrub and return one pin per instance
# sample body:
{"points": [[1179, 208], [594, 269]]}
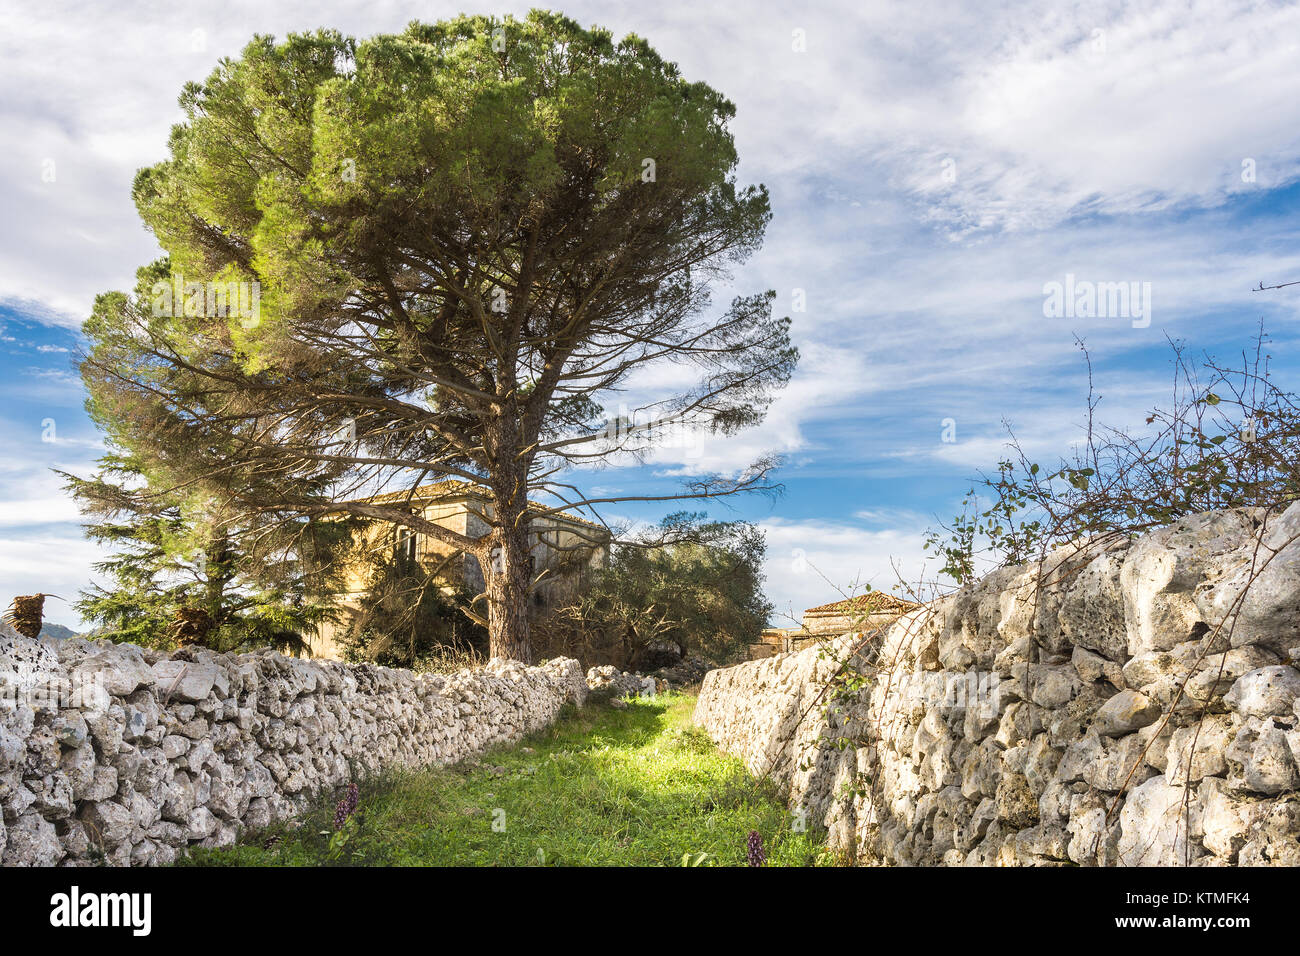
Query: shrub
{"points": [[701, 594], [1230, 438]]}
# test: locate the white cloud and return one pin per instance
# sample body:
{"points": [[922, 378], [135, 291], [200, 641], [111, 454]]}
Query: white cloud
{"points": [[1108, 108], [1039, 124], [37, 511], [31, 494], [813, 562], [55, 562]]}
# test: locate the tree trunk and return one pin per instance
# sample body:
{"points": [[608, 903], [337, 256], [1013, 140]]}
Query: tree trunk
{"points": [[508, 576], [217, 574]]}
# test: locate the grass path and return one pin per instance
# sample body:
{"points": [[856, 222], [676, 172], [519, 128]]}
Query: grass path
{"points": [[634, 787]]}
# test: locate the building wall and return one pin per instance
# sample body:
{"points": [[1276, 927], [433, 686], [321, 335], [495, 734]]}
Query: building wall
{"points": [[553, 539], [835, 623], [817, 627], [555, 543]]}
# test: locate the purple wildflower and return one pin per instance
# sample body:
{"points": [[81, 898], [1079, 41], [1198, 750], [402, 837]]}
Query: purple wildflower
{"points": [[346, 806], [755, 853]]}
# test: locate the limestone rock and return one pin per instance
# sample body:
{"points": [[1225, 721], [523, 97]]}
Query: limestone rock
{"points": [[1124, 713], [615, 682], [31, 841], [1269, 613], [184, 681], [1265, 691], [1093, 667], [1227, 820], [121, 671], [109, 824], [1016, 804], [1162, 570], [1154, 828], [1091, 615], [1271, 766], [1198, 751]]}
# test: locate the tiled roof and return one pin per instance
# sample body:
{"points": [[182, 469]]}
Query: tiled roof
{"points": [[872, 601]]}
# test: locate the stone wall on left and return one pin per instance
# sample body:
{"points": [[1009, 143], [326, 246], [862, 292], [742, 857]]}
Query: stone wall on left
{"points": [[119, 754]]}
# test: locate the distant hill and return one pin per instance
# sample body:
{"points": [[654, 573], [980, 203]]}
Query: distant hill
{"points": [[58, 631]]}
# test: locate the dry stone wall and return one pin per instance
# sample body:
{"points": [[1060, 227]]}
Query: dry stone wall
{"points": [[1134, 703], [114, 753]]}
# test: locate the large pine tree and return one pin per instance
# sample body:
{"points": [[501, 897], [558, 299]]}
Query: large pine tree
{"points": [[447, 250]]}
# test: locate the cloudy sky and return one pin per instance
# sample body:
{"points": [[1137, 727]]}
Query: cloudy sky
{"points": [[933, 167]]}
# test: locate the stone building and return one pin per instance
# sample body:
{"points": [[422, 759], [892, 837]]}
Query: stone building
{"points": [[825, 621], [854, 614], [565, 549]]}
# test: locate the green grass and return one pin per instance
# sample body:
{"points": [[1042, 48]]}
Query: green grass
{"points": [[603, 787]]}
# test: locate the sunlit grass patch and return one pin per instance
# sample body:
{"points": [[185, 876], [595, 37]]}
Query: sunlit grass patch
{"points": [[633, 787]]}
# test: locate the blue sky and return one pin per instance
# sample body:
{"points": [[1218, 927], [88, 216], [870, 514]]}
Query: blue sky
{"points": [[932, 166]]}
